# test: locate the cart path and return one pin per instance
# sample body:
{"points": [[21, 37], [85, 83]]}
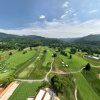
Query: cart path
{"points": [[76, 93], [50, 71], [46, 76], [38, 80], [64, 73]]}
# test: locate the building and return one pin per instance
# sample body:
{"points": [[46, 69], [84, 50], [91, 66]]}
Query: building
{"points": [[45, 94]]}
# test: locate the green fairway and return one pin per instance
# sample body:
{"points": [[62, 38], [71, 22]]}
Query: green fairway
{"points": [[39, 71], [36, 63], [38, 66], [25, 70], [93, 61], [84, 88], [93, 79], [13, 62], [19, 58], [47, 57], [75, 64], [25, 90], [59, 65]]}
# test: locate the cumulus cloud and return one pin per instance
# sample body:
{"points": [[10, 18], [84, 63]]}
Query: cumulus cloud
{"points": [[93, 11], [66, 4], [42, 17], [59, 29]]}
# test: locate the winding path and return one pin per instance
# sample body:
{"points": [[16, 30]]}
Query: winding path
{"points": [[76, 93], [46, 76], [38, 80], [64, 73]]}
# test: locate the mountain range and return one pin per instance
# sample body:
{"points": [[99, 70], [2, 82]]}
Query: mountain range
{"points": [[89, 38]]}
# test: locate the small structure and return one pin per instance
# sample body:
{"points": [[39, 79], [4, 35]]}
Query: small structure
{"points": [[62, 62], [45, 94], [96, 58], [66, 65]]}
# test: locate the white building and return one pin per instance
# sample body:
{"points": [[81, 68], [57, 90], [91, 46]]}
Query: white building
{"points": [[44, 94]]}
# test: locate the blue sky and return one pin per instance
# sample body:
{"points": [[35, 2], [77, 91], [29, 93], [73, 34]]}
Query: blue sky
{"points": [[50, 18]]}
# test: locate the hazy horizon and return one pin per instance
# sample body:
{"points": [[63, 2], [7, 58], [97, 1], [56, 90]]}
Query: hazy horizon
{"points": [[50, 18]]}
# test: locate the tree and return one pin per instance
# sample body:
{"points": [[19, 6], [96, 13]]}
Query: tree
{"points": [[45, 51], [24, 52], [56, 83], [63, 53], [44, 84], [30, 48], [73, 50], [70, 57], [10, 53], [87, 67], [54, 55]]}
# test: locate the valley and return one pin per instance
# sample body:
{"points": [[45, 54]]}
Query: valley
{"points": [[34, 67]]}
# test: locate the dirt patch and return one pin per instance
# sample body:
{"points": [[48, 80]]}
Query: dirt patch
{"points": [[1, 89], [58, 72], [98, 76]]}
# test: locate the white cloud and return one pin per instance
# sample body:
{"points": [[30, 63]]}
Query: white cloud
{"points": [[93, 11], [66, 4], [59, 29], [62, 16], [42, 17], [75, 14]]}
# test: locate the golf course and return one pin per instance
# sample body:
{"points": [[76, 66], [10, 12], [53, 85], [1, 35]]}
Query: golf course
{"points": [[35, 65]]}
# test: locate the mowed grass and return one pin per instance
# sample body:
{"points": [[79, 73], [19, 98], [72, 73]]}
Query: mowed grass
{"points": [[24, 73], [36, 68], [4, 76], [83, 86], [59, 65], [4, 55], [93, 79], [48, 57], [39, 71], [19, 58], [27, 67], [25, 90], [11, 64], [94, 62], [75, 64]]}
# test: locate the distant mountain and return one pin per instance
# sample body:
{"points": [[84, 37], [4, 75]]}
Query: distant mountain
{"points": [[9, 41], [68, 39], [90, 38], [10, 36], [4, 36]]}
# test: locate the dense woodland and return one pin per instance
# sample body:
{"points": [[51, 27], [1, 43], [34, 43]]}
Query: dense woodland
{"points": [[89, 44]]}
